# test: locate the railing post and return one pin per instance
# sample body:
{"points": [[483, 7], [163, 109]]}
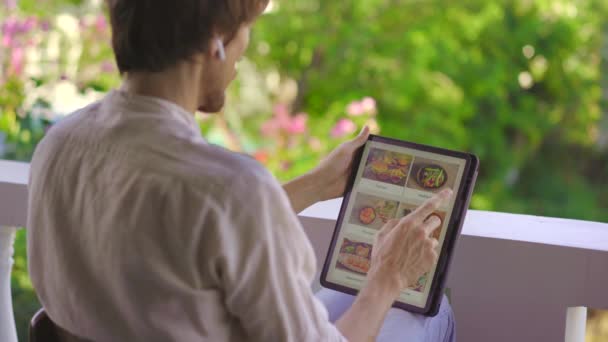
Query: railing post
{"points": [[8, 332], [576, 324]]}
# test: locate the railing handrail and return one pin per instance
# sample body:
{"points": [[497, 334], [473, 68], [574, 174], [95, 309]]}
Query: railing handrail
{"points": [[14, 172], [13, 193], [489, 224], [547, 230]]}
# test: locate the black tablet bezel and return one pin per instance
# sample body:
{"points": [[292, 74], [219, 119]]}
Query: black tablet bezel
{"points": [[461, 204]]}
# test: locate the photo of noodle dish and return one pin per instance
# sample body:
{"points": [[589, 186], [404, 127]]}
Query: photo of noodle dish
{"points": [[354, 256], [387, 166]]}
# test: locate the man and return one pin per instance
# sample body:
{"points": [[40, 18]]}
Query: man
{"points": [[139, 230]]}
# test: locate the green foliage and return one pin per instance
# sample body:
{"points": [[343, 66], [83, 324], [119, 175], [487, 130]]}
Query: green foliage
{"points": [[20, 133], [517, 82], [25, 303]]}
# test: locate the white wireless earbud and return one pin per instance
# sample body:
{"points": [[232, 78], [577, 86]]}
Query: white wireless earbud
{"points": [[220, 49]]}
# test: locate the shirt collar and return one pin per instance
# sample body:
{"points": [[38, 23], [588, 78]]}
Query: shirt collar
{"points": [[157, 104]]}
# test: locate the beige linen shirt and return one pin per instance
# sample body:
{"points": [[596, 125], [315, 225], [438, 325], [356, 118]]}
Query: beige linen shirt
{"points": [[139, 230]]}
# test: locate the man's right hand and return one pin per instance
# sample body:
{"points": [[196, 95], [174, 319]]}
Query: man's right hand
{"points": [[404, 249]]}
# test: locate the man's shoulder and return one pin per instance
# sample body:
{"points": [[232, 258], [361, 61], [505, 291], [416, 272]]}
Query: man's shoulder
{"points": [[234, 176], [73, 121], [59, 135]]}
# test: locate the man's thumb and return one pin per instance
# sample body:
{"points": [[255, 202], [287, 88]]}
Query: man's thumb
{"points": [[362, 137]]}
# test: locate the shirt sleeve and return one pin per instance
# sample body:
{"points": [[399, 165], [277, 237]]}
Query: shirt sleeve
{"points": [[268, 267]]}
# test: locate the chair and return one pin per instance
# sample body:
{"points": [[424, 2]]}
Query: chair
{"points": [[42, 329]]}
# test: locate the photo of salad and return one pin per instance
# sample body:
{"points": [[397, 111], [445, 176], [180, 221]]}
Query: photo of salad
{"points": [[354, 256], [432, 175], [387, 166], [419, 286], [371, 211]]}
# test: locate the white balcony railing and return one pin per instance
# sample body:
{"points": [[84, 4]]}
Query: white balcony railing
{"points": [[13, 206], [514, 277]]}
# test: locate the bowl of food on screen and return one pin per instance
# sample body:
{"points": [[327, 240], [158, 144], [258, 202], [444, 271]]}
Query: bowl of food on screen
{"points": [[377, 212], [367, 215], [355, 256], [431, 177]]}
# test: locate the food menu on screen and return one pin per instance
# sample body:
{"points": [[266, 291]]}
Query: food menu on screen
{"points": [[391, 182]]}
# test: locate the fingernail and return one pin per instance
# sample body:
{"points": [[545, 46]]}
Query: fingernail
{"points": [[436, 220], [363, 130]]}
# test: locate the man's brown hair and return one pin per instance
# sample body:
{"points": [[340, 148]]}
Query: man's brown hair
{"points": [[151, 35]]}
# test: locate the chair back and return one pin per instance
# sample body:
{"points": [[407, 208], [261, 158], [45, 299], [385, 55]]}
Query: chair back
{"points": [[42, 329]]}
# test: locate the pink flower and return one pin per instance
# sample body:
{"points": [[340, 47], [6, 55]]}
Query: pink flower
{"points": [[9, 28], [297, 124], [281, 115], [280, 110], [282, 121], [343, 127], [369, 105], [355, 108], [7, 40], [107, 67], [10, 4], [10, 25], [366, 106], [29, 24], [100, 23], [269, 128], [17, 60], [45, 25]]}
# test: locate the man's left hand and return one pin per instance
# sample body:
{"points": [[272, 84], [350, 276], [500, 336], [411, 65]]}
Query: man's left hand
{"points": [[334, 170], [328, 180]]}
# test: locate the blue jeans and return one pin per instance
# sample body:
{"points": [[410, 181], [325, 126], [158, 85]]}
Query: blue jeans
{"points": [[399, 325]]}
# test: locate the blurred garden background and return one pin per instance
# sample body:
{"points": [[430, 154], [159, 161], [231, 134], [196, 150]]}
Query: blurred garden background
{"points": [[523, 84]]}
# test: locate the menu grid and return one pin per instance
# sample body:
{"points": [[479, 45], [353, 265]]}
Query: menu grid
{"points": [[391, 182]]}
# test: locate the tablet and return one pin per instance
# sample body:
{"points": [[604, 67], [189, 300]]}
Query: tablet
{"points": [[390, 179]]}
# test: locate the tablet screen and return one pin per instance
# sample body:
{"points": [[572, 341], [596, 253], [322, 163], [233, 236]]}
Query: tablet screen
{"points": [[391, 182]]}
